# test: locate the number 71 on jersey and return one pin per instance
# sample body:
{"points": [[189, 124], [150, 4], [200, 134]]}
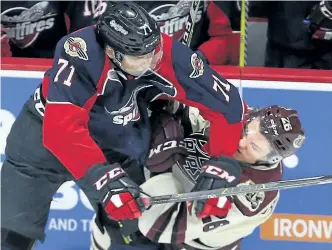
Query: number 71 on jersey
{"points": [[221, 86]]}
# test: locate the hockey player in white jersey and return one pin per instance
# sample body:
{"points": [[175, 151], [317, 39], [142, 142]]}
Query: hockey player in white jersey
{"points": [[270, 135]]}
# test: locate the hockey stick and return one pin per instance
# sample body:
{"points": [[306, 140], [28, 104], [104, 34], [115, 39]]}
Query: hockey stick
{"points": [[243, 189], [190, 24], [243, 38], [186, 40]]}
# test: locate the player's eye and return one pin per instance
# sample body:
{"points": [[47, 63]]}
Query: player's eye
{"points": [[255, 147], [245, 131]]}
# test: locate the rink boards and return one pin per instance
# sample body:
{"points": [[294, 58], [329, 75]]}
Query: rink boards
{"points": [[303, 218]]}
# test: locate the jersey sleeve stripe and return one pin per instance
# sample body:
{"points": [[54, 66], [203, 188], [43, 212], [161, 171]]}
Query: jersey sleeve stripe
{"points": [[100, 85], [160, 224], [180, 225]]}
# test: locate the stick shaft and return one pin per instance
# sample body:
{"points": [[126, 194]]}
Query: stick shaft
{"points": [[190, 24], [265, 187], [243, 38], [244, 33]]}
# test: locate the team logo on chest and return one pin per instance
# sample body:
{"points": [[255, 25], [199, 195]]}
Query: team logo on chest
{"points": [[129, 112], [191, 168]]}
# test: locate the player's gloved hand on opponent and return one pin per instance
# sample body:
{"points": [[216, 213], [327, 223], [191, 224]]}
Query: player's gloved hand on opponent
{"points": [[118, 194], [216, 173]]}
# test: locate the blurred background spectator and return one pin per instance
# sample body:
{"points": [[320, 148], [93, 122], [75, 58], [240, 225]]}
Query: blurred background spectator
{"points": [[33, 28], [299, 33], [213, 35]]}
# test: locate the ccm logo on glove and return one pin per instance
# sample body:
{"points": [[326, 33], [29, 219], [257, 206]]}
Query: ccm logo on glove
{"points": [[222, 172], [108, 176], [166, 146], [219, 172], [110, 186]]}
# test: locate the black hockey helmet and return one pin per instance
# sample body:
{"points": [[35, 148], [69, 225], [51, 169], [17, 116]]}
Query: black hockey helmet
{"points": [[282, 127], [128, 28]]}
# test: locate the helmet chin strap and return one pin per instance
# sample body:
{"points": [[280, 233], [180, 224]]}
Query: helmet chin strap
{"points": [[272, 160], [118, 58], [115, 56], [262, 163]]}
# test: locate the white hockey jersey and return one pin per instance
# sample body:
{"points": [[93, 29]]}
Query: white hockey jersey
{"points": [[172, 224]]}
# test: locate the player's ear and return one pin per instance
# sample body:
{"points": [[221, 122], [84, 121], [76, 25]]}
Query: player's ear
{"points": [[110, 52]]}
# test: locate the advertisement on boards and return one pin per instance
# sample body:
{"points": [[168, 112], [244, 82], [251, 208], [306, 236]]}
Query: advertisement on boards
{"points": [[298, 227], [303, 217]]}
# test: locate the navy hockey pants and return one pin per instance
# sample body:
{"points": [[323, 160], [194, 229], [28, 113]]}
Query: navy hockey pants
{"points": [[30, 176]]}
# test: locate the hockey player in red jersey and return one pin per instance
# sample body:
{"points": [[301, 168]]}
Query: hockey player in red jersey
{"points": [[88, 121], [270, 135]]}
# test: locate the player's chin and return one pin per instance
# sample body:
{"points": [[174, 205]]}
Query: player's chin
{"points": [[238, 155], [136, 72]]}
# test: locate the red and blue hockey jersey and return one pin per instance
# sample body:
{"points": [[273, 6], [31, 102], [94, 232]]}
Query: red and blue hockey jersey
{"points": [[92, 107]]}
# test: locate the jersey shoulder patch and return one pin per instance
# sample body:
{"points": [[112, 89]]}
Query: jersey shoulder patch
{"points": [[83, 52], [203, 85], [254, 203], [76, 47]]}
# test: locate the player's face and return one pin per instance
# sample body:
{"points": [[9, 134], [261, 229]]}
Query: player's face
{"points": [[253, 146], [138, 65]]}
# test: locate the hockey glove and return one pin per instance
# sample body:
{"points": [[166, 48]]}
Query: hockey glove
{"points": [[216, 173], [117, 193]]}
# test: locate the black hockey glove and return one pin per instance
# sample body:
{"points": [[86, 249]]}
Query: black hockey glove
{"points": [[111, 186], [320, 21], [216, 173]]}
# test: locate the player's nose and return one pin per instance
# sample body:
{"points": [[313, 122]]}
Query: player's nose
{"points": [[243, 143]]}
